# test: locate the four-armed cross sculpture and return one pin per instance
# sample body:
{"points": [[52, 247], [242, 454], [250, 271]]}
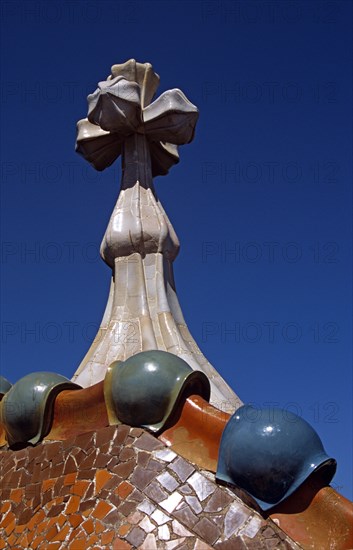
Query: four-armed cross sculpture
{"points": [[140, 244]]}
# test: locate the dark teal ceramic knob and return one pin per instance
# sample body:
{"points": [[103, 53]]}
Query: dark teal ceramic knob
{"points": [[146, 389], [27, 408], [269, 453]]}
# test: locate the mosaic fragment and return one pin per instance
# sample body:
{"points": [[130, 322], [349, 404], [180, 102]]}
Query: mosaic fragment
{"points": [[124, 469], [148, 443], [173, 543], [235, 517], [101, 510], [200, 545], [184, 514], [167, 481], [147, 525], [251, 528], [102, 477], [136, 536], [165, 454], [146, 506], [194, 503], [171, 502], [135, 517], [150, 543], [136, 495], [180, 530], [182, 468], [218, 501], [201, 485], [207, 530], [127, 453], [143, 458], [155, 492], [124, 489], [127, 508], [88, 526], [163, 532], [160, 517], [186, 489], [141, 477]]}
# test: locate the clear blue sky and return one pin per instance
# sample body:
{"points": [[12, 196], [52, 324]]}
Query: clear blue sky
{"points": [[261, 200]]}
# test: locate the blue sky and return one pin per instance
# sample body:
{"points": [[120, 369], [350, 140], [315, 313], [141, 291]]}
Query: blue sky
{"points": [[261, 200]]}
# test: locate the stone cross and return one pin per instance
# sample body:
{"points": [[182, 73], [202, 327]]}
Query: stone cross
{"points": [[140, 244]]}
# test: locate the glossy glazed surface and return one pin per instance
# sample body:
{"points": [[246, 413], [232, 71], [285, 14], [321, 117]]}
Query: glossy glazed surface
{"points": [[146, 389], [269, 452], [26, 409]]}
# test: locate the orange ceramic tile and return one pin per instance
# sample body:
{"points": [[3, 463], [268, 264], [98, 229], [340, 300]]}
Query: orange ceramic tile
{"points": [[119, 544], [30, 536], [36, 519], [124, 489], [10, 516], [11, 540], [53, 531], [36, 542], [76, 534], [317, 517], [20, 528], [55, 501], [75, 519], [107, 537], [197, 433], [60, 520], [10, 527], [62, 533], [88, 526], [78, 411], [5, 507], [99, 527], [88, 512], [48, 484], [43, 526], [101, 510], [53, 546], [80, 487], [2, 544], [102, 477], [16, 495], [124, 529], [51, 521], [92, 540], [70, 478], [72, 505], [23, 541], [78, 544]]}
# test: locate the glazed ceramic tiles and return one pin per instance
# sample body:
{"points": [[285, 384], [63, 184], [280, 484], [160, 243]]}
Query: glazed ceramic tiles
{"points": [[119, 487]]}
